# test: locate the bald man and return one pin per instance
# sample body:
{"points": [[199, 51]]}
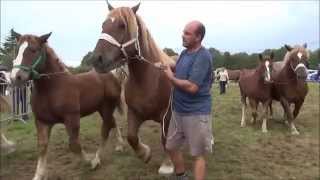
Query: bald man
{"points": [[191, 116]]}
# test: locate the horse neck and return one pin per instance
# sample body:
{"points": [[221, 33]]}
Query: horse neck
{"points": [[52, 65]]}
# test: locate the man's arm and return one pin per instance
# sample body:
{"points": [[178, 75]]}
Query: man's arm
{"points": [[185, 85]]}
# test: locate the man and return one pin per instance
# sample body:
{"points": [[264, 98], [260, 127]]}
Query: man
{"points": [[191, 116], [223, 80]]}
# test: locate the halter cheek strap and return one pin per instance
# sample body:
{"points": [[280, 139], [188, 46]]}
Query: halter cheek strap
{"points": [[35, 64]]}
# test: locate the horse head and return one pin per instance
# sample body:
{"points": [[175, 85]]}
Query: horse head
{"points": [[30, 59], [118, 42], [266, 66], [297, 58]]}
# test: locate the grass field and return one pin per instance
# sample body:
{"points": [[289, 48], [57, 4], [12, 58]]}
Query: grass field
{"points": [[239, 153]]}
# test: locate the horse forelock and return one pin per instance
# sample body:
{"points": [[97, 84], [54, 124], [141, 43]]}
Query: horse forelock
{"points": [[296, 51], [134, 23]]}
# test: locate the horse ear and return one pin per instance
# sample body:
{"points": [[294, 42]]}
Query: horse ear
{"points": [[305, 45], [135, 8], [272, 55], [109, 6], [289, 48], [260, 57], [45, 37], [15, 35]]}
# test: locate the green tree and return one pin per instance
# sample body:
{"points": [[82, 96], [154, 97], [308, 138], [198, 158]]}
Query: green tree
{"points": [[8, 50], [170, 52]]}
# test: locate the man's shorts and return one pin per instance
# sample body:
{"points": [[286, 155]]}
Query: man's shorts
{"points": [[193, 130]]}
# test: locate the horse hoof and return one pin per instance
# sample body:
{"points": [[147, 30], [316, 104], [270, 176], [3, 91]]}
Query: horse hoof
{"points": [[166, 169], [119, 148], [95, 163], [40, 177], [264, 131], [295, 133], [243, 125], [147, 156]]}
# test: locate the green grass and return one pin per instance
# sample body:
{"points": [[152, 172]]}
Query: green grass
{"points": [[239, 153]]}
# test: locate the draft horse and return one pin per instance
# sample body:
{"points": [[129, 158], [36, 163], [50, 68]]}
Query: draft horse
{"points": [[61, 97], [125, 39], [256, 86]]}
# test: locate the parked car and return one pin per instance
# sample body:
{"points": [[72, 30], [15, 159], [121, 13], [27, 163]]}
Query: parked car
{"points": [[313, 76]]}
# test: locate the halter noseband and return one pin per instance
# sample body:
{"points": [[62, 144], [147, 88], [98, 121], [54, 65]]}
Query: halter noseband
{"points": [[113, 41], [35, 64]]}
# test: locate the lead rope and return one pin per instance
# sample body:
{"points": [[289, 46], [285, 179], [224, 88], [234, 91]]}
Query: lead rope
{"points": [[172, 118]]}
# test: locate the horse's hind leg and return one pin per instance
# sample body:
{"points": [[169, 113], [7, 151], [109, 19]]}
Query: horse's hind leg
{"points": [[6, 145], [167, 166], [254, 106], [108, 123], [143, 151], [289, 114], [43, 133]]}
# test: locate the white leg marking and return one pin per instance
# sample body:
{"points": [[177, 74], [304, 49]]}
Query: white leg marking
{"points": [[243, 119]]}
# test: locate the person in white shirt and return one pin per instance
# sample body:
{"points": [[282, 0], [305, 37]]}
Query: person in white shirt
{"points": [[223, 80]]}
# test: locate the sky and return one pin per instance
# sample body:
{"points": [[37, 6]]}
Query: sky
{"points": [[234, 26]]}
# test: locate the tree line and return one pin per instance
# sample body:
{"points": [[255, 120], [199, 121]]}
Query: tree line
{"points": [[240, 60]]}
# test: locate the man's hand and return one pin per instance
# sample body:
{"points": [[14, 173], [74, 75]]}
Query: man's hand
{"points": [[167, 70]]}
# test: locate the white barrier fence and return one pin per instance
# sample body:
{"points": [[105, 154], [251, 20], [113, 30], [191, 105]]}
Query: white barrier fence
{"points": [[18, 99]]}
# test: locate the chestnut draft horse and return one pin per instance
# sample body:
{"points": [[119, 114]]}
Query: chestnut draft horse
{"points": [[289, 82], [61, 97], [256, 85], [233, 74], [126, 39]]}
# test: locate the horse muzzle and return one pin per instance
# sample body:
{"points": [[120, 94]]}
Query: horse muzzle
{"points": [[18, 78]]}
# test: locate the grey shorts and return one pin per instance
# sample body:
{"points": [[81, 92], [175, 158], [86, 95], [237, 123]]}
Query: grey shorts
{"points": [[193, 130]]}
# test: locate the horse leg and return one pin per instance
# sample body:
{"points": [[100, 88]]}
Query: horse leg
{"points": [[297, 107], [167, 166], [254, 106], [107, 124], [296, 110], [43, 133], [120, 141], [143, 151], [265, 117], [270, 112], [244, 107], [289, 115], [7, 145], [72, 124]]}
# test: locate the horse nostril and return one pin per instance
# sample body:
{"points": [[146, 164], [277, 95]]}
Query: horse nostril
{"points": [[18, 77]]}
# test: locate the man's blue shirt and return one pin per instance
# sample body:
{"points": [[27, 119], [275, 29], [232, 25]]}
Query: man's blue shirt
{"points": [[197, 68]]}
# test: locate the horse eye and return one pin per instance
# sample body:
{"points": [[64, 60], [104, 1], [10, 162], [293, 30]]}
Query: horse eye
{"points": [[32, 50]]}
